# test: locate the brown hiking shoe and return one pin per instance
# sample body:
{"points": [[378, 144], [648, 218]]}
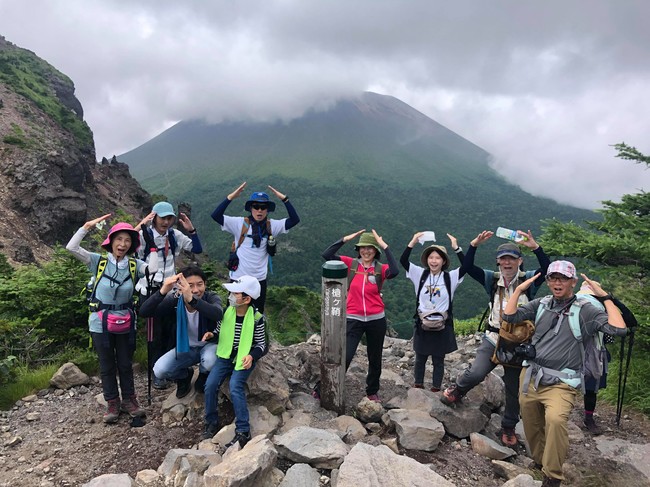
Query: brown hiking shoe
{"points": [[451, 395], [130, 405], [549, 482], [112, 413], [591, 425]]}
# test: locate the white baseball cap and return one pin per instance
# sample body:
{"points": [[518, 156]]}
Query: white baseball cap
{"points": [[245, 284]]}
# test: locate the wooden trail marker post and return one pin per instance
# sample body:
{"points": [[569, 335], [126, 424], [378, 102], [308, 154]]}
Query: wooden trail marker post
{"points": [[332, 331]]}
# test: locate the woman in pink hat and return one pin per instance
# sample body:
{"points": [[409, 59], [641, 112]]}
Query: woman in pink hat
{"points": [[112, 316]]}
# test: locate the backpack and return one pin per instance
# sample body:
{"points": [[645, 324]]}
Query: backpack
{"points": [[593, 352], [147, 235], [419, 319], [267, 336], [377, 268], [91, 288]]}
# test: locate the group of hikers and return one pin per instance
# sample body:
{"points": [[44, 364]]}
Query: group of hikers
{"points": [[542, 376]]}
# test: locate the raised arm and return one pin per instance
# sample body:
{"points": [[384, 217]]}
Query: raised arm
{"points": [[542, 258], [330, 252], [468, 266], [293, 219], [217, 214], [74, 245]]}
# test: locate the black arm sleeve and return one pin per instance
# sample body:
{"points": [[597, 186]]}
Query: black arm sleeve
{"points": [[393, 267], [330, 252], [293, 219], [217, 214], [468, 267], [404, 259], [544, 262]]}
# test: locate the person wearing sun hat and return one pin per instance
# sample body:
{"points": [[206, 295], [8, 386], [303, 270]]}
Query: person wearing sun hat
{"points": [[499, 286], [241, 336], [254, 235], [158, 236], [551, 378], [434, 290], [112, 297], [365, 310]]}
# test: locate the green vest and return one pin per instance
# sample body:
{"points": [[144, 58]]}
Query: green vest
{"points": [[227, 335]]}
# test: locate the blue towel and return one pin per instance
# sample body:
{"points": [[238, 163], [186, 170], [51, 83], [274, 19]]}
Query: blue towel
{"points": [[182, 338]]}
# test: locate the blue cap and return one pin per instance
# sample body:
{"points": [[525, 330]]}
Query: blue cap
{"points": [[259, 197], [163, 209]]}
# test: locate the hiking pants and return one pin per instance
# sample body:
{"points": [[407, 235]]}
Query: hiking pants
{"points": [[174, 365], [375, 331], [219, 373], [545, 414], [420, 366], [115, 358], [480, 368]]}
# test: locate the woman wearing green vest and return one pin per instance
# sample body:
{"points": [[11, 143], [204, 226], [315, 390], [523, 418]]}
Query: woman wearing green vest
{"points": [[241, 343]]}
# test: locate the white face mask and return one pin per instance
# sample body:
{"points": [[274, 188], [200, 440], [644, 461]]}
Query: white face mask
{"points": [[232, 300]]}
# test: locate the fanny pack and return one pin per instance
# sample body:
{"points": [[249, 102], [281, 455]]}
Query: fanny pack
{"points": [[433, 320], [117, 323]]}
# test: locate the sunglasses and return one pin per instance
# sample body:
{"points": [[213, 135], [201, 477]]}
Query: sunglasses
{"points": [[259, 207], [557, 277]]}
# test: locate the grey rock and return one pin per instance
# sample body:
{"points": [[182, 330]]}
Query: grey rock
{"points": [[369, 411], [368, 466], [508, 470], [301, 475], [111, 480], [319, 448], [417, 430], [490, 448], [248, 467], [68, 376], [523, 480]]}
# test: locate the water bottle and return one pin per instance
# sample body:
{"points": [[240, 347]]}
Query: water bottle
{"points": [[508, 234], [270, 245]]}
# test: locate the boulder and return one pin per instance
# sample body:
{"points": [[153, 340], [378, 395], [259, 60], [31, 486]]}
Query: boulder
{"points": [[317, 447], [416, 430], [68, 375], [248, 467]]}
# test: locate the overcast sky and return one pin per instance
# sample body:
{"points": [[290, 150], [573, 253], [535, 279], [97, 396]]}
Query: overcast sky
{"points": [[545, 87]]}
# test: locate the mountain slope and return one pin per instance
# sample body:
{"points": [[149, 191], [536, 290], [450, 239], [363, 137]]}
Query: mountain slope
{"points": [[50, 183], [371, 162]]}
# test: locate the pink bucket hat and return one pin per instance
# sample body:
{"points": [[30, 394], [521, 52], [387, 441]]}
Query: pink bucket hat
{"points": [[563, 267], [123, 227]]}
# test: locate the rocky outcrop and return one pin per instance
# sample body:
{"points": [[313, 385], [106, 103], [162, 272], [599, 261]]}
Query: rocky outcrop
{"points": [[50, 182]]}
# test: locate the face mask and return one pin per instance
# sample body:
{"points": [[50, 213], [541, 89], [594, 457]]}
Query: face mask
{"points": [[232, 300]]}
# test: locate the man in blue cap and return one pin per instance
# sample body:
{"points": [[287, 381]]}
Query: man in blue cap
{"points": [[254, 235], [157, 234]]}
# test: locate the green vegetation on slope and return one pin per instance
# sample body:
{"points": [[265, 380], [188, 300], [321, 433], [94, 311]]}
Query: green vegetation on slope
{"points": [[36, 80]]}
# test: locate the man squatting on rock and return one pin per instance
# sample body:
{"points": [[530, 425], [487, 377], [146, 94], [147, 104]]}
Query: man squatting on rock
{"points": [[550, 380], [202, 312]]}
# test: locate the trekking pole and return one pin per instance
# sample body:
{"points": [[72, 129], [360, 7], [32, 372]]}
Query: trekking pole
{"points": [[480, 323], [149, 353], [622, 376]]}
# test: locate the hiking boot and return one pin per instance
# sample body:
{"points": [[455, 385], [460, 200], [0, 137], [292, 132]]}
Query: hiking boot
{"points": [[591, 425], [451, 395], [418, 386], [209, 431], [112, 413], [184, 386], [373, 398], [199, 385], [240, 437], [160, 383], [508, 437], [435, 389], [130, 405], [549, 482]]}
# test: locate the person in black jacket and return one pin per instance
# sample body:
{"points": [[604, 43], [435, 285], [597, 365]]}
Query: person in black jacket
{"points": [[202, 312]]}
